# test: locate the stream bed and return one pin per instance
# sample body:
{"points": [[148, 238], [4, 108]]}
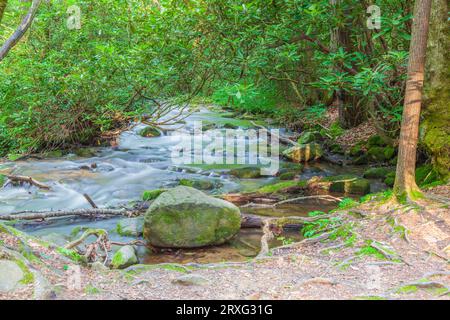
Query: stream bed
{"points": [[118, 176]]}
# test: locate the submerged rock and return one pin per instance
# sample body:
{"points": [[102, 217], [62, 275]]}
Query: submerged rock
{"points": [[149, 132], [377, 173], [348, 184], [131, 227], [187, 218], [11, 276], [246, 173], [124, 257], [304, 153], [199, 184]]}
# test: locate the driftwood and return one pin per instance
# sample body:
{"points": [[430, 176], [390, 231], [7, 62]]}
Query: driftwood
{"points": [[319, 197], [41, 215], [24, 179]]}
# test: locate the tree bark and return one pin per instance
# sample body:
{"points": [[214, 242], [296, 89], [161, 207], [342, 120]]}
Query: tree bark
{"points": [[350, 114], [405, 183], [21, 30], [3, 4], [435, 128]]}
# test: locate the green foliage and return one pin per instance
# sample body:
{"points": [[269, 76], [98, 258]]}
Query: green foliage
{"points": [[347, 203], [246, 98]]}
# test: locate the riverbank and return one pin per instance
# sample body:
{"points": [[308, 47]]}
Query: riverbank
{"points": [[378, 251]]}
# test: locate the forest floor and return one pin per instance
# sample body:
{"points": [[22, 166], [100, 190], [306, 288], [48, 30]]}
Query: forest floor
{"points": [[374, 251]]}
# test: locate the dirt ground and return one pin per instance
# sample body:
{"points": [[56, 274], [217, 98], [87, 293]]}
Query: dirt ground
{"points": [[410, 262]]}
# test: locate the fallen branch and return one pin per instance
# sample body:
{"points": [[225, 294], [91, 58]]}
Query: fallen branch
{"points": [[91, 202], [24, 179], [280, 138], [36, 215]]}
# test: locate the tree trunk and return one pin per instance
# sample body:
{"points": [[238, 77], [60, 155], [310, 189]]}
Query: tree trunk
{"points": [[405, 183], [349, 110], [3, 4], [21, 30], [435, 129]]}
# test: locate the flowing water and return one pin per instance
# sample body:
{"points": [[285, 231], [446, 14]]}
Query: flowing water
{"points": [[117, 176]]}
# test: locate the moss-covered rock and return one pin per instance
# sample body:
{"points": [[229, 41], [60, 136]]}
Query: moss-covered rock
{"points": [[337, 148], [377, 173], [348, 184], [2, 180], [390, 179], [281, 187], [85, 152], [389, 152], [132, 227], [124, 257], [304, 153], [199, 184], [152, 194], [184, 217], [376, 141], [246, 173], [149, 132], [356, 150]]}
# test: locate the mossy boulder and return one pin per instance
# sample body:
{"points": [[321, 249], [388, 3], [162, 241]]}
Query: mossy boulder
{"points": [[199, 184], [377, 173], [132, 227], [124, 257], [246, 173], [381, 154], [149, 132], [2, 180], [184, 217], [348, 184], [152, 194], [304, 153]]}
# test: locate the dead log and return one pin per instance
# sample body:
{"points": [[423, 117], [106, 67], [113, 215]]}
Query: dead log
{"points": [[24, 179], [42, 215]]}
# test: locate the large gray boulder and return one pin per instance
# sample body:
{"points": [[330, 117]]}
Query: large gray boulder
{"points": [[184, 217]]}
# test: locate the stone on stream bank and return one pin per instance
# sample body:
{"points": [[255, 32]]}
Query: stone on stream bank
{"points": [[304, 153], [246, 173], [124, 257], [347, 184], [184, 217], [131, 227]]}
